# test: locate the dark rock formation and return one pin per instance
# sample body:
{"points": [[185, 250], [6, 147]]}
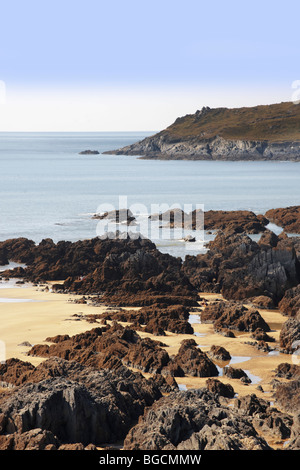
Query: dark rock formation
{"points": [[193, 420], [287, 396], [35, 439], [232, 315], [89, 152], [123, 271], [261, 335], [117, 216], [3, 257], [234, 221], [290, 302], [219, 353], [108, 347], [13, 369], [217, 387], [230, 221], [156, 318], [288, 218], [236, 373], [265, 417], [240, 268], [289, 338], [115, 346], [262, 302], [192, 361], [288, 371], [77, 403]]}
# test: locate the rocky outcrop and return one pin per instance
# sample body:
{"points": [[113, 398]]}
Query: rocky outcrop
{"points": [[288, 371], [116, 346], [236, 373], [193, 420], [108, 347], [265, 418], [89, 152], [217, 387], [287, 396], [13, 369], [76, 403], [192, 361], [163, 147], [232, 221], [117, 216], [240, 268], [123, 271], [35, 439], [289, 338], [256, 133], [287, 217], [290, 302], [219, 353], [155, 319], [232, 315]]}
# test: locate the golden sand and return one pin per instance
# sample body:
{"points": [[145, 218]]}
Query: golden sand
{"points": [[49, 314]]}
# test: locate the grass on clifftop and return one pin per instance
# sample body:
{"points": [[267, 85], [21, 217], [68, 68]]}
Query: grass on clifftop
{"points": [[277, 122]]}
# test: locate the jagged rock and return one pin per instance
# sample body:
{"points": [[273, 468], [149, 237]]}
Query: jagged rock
{"points": [[35, 439], [236, 373], [288, 218], [219, 388], [193, 420], [289, 338], [294, 441], [192, 361], [260, 335], [13, 369], [232, 315], [290, 302], [262, 301], [239, 268], [123, 271], [219, 353], [156, 318], [77, 404], [115, 346], [287, 396], [265, 417], [117, 216], [287, 371]]}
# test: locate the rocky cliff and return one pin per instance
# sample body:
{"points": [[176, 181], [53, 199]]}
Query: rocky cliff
{"points": [[269, 132]]}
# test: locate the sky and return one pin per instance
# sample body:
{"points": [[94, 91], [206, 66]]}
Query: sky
{"points": [[133, 65]]}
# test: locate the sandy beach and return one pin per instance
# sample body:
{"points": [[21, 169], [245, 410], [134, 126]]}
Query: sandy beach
{"points": [[30, 314]]}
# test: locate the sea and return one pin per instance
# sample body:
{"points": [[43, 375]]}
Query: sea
{"points": [[49, 190]]}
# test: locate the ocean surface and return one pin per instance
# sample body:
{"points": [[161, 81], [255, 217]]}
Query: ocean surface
{"points": [[48, 190]]}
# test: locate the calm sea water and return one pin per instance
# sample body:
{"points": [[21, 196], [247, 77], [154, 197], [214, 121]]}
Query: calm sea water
{"points": [[48, 190]]}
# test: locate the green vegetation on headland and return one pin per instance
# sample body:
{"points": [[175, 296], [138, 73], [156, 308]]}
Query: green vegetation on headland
{"points": [[265, 132]]}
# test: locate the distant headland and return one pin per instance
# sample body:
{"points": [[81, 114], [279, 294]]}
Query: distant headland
{"points": [[265, 132]]}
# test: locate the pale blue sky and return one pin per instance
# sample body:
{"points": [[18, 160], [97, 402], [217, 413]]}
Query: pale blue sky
{"points": [[147, 61]]}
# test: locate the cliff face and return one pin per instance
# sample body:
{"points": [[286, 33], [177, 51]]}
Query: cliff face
{"points": [[158, 147], [260, 133]]}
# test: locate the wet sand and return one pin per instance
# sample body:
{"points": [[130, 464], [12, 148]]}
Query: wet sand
{"points": [[31, 314]]}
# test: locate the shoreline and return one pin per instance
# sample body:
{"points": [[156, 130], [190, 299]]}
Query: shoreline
{"points": [[51, 314]]}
